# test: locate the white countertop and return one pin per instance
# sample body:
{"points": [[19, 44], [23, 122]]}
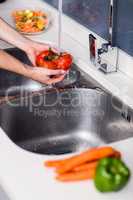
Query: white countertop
{"points": [[22, 174]]}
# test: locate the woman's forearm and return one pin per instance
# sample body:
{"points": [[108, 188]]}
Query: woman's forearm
{"points": [[10, 63], [8, 34]]}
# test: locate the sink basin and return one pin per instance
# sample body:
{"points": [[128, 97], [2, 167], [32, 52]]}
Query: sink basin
{"points": [[65, 121]]}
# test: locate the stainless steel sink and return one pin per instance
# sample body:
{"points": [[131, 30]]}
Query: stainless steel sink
{"points": [[59, 121], [65, 121]]}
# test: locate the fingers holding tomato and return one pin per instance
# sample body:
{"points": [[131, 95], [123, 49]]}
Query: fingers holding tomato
{"points": [[52, 60]]}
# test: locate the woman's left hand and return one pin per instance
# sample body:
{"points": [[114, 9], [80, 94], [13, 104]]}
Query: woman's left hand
{"points": [[34, 48]]}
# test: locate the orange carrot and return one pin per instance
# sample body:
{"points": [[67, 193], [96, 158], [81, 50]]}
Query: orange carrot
{"points": [[54, 163], [87, 156], [57, 163], [91, 165], [77, 176], [85, 167]]}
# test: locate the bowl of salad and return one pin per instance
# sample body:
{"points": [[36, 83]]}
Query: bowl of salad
{"points": [[31, 21]]}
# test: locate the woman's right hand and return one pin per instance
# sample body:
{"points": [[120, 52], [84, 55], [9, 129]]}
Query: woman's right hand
{"points": [[46, 76]]}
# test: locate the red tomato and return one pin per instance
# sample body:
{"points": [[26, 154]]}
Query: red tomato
{"points": [[64, 61], [44, 59], [52, 60]]}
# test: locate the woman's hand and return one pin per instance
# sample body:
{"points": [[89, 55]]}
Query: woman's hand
{"points": [[34, 48], [46, 76], [42, 75]]}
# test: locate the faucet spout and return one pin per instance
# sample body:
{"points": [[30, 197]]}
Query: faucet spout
{"points": [[105, 57]]}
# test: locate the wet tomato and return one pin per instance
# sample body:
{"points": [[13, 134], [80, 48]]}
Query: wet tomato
{"points": [[51, 60]]}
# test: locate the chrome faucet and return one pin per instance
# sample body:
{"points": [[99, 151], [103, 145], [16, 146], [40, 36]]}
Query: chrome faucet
{"points": [[105, 57]]}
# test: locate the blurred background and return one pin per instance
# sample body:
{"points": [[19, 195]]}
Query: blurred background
{"points": [[94, 14]]}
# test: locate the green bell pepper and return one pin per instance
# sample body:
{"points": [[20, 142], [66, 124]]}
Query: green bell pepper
{"points": [[111, 175]]}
